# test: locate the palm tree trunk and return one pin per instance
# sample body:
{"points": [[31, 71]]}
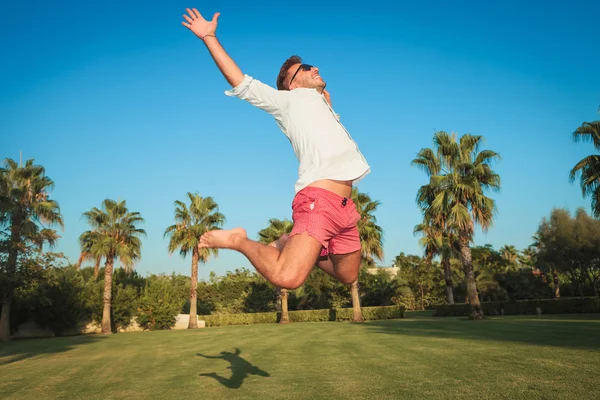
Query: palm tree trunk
{"points": [[285, 316], [108, 269], [193, 323], [356, 311], [11, 271], [97, 268], [556, 284], [448, 278], [467, 262], [80, 260], [5, 320], [422, 299]]}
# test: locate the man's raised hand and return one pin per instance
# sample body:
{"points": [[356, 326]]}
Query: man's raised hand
{"points": [[197, 24]]}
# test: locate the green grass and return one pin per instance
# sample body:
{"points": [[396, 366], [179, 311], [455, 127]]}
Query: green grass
{"points": [[526, 357]]}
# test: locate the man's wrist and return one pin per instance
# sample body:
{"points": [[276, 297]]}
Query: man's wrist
{"points": [[203, 38]]}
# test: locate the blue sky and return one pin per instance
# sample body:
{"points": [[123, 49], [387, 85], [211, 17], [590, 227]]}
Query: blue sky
{"points": [[120, 101]]}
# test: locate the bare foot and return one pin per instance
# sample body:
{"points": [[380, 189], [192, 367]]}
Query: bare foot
{"points": [[222, 239], [279, 243]]}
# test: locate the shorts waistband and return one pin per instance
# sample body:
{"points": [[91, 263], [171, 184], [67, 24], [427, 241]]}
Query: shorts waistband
{"points": [[326, 193]]}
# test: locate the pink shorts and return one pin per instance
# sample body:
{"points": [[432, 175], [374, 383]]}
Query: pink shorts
{"points": [[327, 217]]}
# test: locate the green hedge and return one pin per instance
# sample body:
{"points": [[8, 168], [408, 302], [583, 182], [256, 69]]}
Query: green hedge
{"points": [[222, 319], [524, 307], [340, 314], [372, 313]]}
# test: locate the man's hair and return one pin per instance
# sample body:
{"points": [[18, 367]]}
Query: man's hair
{"points": [[282, 77]]}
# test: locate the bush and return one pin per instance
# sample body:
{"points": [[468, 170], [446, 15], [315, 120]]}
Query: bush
{"points": [[160, 303], [524, 307], [56, 301], [123, 306], [372, 313], [222, 319], [312, 315], [340, 314]]}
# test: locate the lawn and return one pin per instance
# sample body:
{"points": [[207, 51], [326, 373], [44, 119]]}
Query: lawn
{"points": [[526, 357]]}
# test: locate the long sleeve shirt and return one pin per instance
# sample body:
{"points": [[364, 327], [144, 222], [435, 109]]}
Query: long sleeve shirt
{"points": [[323, 146]]}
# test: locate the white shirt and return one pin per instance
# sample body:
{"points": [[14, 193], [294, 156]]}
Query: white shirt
{"points": [[322, 145]]}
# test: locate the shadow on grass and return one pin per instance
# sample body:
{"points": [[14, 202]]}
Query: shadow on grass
{"points": [[240, 369], [22, 349], [575, 331]]}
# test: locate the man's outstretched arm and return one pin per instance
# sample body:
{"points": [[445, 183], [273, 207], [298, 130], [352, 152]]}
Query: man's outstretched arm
{"points": [[206, 31]]}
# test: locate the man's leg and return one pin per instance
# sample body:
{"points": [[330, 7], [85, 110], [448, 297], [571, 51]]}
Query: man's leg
{"points": [[287, 268], [343, 267]]}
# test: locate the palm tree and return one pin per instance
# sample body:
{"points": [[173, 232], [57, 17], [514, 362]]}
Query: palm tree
{"points": [[509, 254], [269, 235], [458, 176], [25, 209], [589, 167], [118, 237], [438, 240], [371, 238], [87, 240], [191, 222], [526, 257]]}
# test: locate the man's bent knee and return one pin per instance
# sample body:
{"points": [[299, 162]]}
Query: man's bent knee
{"points": [[291, 277], [347, 279], [289, 282]]}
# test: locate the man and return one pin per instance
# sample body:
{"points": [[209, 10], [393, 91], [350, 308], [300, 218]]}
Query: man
{"points": [[324, 216]]}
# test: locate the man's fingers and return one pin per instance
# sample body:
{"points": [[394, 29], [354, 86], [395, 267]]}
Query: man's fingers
{"points": [[186, 25], [191, 13], [197, 13], [216, 17], [188, 19]]}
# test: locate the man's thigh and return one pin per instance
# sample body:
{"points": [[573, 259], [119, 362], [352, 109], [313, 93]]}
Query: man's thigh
{"points": [[299, 255], [346, 266]]}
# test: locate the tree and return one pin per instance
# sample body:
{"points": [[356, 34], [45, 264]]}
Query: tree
{"points": [[459, 174], [438, 237], [589, 167], [438, 240], [25, 210], [371, 241], [510, 256], [271, 234], [191, 223], [419, 275], [381, 288], [87, 240], [118, 238], [571, 246]]}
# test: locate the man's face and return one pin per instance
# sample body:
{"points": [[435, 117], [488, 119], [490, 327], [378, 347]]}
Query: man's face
{"points": [[305, 78]]}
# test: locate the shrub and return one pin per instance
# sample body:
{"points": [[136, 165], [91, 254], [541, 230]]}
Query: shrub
{"points": [[524, 307], [56, 300], [372, 313], [340, 314], [222, 319], [123, 306], [161, 301], [311, 315]]}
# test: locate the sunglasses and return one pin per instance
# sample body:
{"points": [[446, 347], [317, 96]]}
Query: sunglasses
{"points": [[303, 67]]}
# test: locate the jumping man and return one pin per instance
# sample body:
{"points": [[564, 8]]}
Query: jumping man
{"points": [[325, 231]]}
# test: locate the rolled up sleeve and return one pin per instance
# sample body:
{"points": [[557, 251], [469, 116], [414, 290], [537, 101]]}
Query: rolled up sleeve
{"points": [[260, 95]]}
